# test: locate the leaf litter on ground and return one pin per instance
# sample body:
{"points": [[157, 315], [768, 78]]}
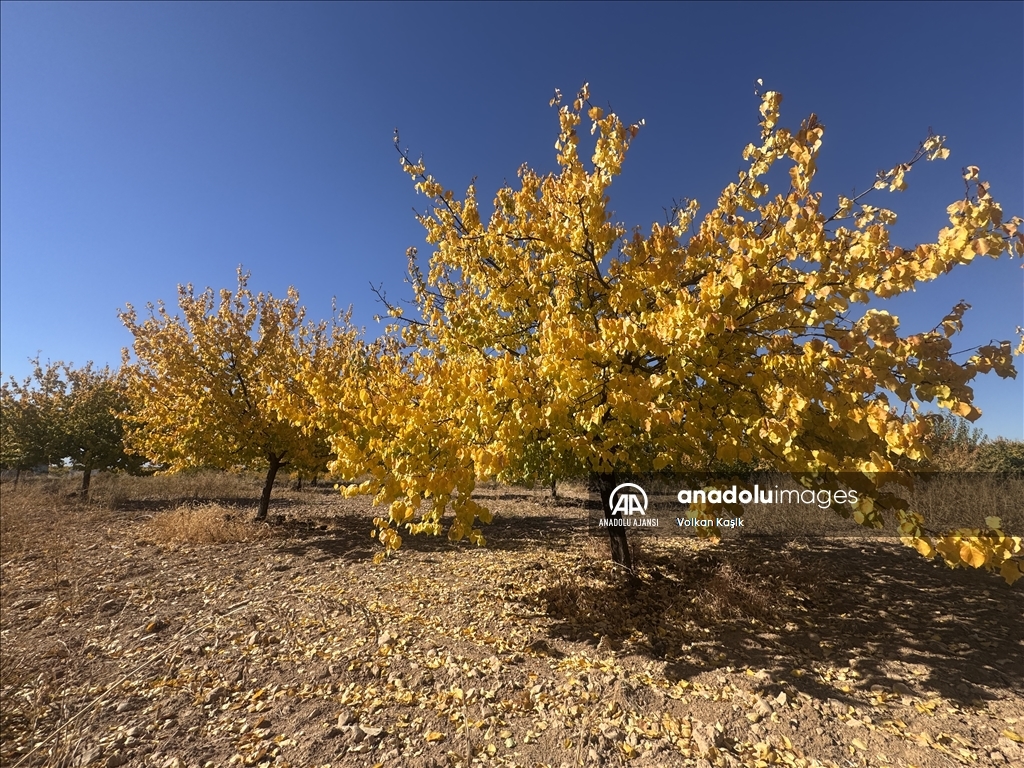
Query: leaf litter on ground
{"points": [[293, 649]]}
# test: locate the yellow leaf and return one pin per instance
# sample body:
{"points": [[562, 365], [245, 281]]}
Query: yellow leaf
{"points": [[433, 736], [924, 547], [1011, 570], [972, 556], [965, 410]]}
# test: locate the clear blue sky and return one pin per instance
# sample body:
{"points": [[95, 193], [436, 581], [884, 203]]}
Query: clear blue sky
{"points": [[146, 145]]}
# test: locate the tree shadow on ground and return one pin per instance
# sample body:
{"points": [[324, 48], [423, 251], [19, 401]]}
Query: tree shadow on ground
{"points": [[348, 535], [345, 537], [768, 603], [784, 606]]}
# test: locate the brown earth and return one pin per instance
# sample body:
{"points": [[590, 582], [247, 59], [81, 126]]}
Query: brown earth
{"points": [[291, 648]]}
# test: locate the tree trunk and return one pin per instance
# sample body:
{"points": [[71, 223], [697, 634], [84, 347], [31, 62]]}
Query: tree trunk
{"points": [[17, 475], [605, 484], [554, 487], [268, 486], [86, 479]]}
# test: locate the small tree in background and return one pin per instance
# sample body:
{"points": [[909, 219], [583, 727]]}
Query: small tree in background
{"points": [[953, 443], [208, 388], [92, 422], [65, 414], [28, 425]]}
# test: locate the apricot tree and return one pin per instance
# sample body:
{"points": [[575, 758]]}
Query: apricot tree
{"points": [[92, 413], [63, 414], [29, 433], [548, 338], [209, 389]]}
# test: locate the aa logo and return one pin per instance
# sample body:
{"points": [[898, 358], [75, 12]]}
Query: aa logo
{"points": [[628, 498]]}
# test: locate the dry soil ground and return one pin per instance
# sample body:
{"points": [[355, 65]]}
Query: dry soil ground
{"points": [[285, 645]]}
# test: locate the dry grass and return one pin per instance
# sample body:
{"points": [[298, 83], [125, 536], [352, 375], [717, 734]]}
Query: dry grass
{"points": [[30, 516], [33, 527], [206, 523], [731, 594], [947, 500], [194, 507], [16, 514], [115, 491], [595, 549], [958, 499], [44, 699]]}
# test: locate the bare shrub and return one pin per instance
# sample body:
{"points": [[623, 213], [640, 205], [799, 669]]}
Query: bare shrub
{"points": [[208, 523], [731, 594], [567, 598]]}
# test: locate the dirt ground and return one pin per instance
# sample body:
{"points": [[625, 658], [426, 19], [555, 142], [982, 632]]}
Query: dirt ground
{"points": [[289, 647]]}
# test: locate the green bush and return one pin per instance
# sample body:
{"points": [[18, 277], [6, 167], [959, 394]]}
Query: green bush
{"points": [[1005, 457]]}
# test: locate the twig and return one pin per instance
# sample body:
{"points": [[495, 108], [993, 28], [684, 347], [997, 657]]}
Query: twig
{"points": [[121, 679]]}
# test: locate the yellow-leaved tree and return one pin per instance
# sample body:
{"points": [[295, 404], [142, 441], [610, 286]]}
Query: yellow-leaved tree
{"points": [[550, 340], [217, 386]]}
